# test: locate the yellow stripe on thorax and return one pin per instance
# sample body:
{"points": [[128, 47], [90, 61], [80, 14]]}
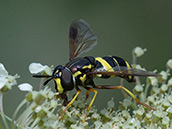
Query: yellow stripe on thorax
{"points": [[87, 66], [83, 78], [77, 73], [59, 86]]}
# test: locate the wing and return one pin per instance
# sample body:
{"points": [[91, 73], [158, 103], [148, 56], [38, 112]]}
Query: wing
{"points": [[124, 71], [81, 38]]}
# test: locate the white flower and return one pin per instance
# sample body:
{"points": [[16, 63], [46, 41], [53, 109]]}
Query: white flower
{"points": [[50, 95], [126, 102], [134, 122], [38, 109], [152, 80], [75, 127], [111, 103], [139, 67], [151, 99], [166, 103], [25, 87], [140, 112], [148, 115], [169, 109], [138, 88], [170, 97], [35, 68], [53, 103], [107, 125], [169, 64], [165, 120], [155, 90], [164, 76], [12, 80], [6, 81], [170, 82], [158, 114], [97, 124], [95, 116], [164, 88], [138, 51]]}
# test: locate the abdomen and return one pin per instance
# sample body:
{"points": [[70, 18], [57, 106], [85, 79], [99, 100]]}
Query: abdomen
{"points": [[110, 62]]}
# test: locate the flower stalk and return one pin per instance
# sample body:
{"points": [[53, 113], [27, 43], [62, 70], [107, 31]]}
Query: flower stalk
{"points": [[2, 112]]}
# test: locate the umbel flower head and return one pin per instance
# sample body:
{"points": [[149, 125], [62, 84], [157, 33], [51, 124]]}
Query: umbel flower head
{"points": [[42, 110], [109, 117]]}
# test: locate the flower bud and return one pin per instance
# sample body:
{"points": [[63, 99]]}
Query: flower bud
{"points": [[164, 88], [138, 51], [39, 99], [138, 89]]}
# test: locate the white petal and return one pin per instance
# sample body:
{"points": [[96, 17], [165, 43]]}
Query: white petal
{"points": [[3, 81], [25, 87], [3, 71], [35, 68]]}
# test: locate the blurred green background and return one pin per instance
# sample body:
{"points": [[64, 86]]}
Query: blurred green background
{"points": [[37, 31]]}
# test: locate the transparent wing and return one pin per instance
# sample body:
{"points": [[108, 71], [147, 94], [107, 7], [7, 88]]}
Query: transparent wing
{"points": [[81, 38], [124, 71]]}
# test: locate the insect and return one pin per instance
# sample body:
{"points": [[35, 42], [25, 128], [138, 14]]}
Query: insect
{"points": [[80, 71]]}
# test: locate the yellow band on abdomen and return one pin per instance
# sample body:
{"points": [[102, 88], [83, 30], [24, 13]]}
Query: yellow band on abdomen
{"points": [[105, 64]]}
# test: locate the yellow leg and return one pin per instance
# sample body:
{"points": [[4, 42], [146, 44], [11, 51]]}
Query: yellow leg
{"points": [[62, 115], [129, 92], [134, 97], [95, 93]]}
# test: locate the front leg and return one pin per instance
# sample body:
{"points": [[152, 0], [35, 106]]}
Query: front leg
{"points": [[68, 105], [65, 99]]}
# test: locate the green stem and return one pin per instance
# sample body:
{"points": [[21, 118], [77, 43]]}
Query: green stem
{"points": [[134, 63], [146, 90], [2, 112], [13, 124]]}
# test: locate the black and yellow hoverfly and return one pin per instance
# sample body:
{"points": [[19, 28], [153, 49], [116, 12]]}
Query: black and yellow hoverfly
{"points": [[80, 71]]}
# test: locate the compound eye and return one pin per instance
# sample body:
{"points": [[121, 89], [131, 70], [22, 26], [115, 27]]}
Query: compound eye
{"points": [[66, 76], [67, 80]]}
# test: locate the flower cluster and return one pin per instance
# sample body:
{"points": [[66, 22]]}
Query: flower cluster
{"points": [[6, 80], [44, 107]]}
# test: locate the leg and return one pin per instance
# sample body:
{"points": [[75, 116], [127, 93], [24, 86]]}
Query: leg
{"points": [[129, 92], [95, 93], [78, 92], [56, 96], [65, 100], [87, 95]]}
